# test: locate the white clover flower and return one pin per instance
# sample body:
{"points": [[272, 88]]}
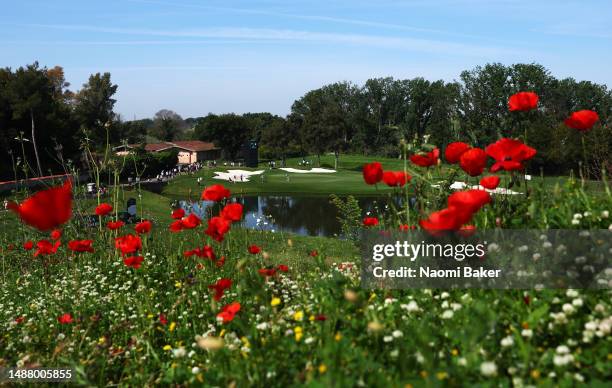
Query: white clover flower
{"points": [[309, 340], [577, 302], [412, 306], [195, 370], [488, 368], [575, 222], [179, 352], [462, 361], [397, 333], [444, 295], [527, 333], [571, 293], [507, 342], [447, 314], [577, 216], [605, 214], [523, 248], [579, 377], [568, 308], [388, 338], [394, 353], [562, 349]]}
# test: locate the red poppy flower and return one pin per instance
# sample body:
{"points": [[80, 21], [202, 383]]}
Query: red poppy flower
{"points": [[372, 173], [56, 234], [469, 201], [267, 272], [454, 151], [583, 120], [217, 227], [133, 261], [220, 286], [406, 227], [114, 225], [46, 209], [254, 249], [523, 101], [232, 212], [80, 245], [19, 319], [396, 178], [313, 253], [509, 154], [46, 248], [103, 209], [177, 214], [370, 221], [490, 182], [426, 159], [219, 263], [176, 226], [283, 268], [450, 218], [65, 319], [228, 312], [192, 221], [473, 161], [143, 227], [129, 243], [206, 251], [162, 319], [320, 317], [28, 245], [215, 193]]}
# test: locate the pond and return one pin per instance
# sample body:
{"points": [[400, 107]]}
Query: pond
{"points": [[304, 215]]}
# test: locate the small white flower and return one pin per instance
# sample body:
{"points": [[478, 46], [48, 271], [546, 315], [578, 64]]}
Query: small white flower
{"points": [[562, 349], [195, 370], [507, 342], [577, 302], [488, 368], [397, 333], [568, 308], [575, 222], [577, 216], [527, 333], [388, 338], [447, 314], [571, 293], [605, 214], [462, 361]]}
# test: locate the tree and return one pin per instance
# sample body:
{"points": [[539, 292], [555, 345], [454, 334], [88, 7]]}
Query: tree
{"points": [[228, 131], [280, 139], [167, 125], [94, 108]]}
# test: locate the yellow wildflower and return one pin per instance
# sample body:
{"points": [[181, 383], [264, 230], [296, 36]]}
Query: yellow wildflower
{"points": [[172, 326], [299, 333], [338, 336], [322, 368], [535, 374], [167, 347], [298, 316], [454, 352], [275, 302], [441, 375], [178, 284]]}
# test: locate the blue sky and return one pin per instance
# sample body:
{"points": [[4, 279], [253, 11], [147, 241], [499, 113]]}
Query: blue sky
{"points": [[196, 57]]}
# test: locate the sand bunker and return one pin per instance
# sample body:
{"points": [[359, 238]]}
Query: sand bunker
{"points": [[236, 175], [312, 170]]}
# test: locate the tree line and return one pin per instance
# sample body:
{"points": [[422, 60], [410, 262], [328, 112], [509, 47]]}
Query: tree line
{"points": [[44, 126]]}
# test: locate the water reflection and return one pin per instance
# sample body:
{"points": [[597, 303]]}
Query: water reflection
{"points": [[312, 216]]}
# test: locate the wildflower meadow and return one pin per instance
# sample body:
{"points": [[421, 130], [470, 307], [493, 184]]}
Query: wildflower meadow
{"points": [[181, 300]]}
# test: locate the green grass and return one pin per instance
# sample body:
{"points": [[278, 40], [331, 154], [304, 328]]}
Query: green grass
{"points": [[347, 180]]}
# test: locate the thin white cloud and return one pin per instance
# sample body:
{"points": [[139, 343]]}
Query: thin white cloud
{"points": [[266, 34], [329, 19]]}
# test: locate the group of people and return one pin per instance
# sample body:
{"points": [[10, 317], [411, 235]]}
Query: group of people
{"points": [[191, 168]]}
